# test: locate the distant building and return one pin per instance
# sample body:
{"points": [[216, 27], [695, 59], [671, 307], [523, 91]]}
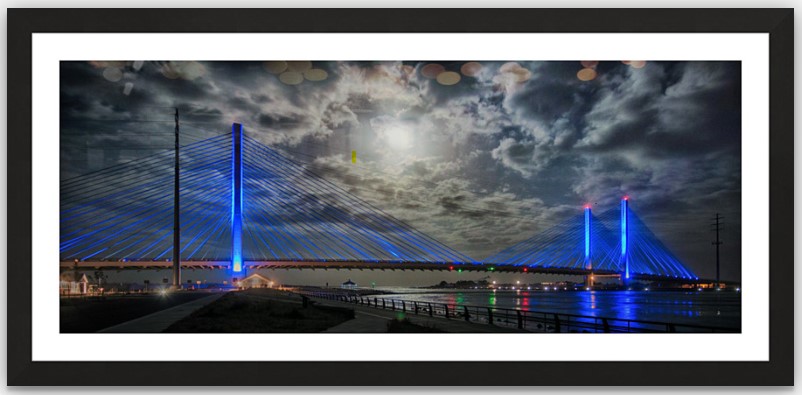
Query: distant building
{"points": [[69, 285], [704, 285], [255, 281], [348, 284]]}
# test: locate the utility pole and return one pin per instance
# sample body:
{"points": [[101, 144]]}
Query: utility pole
{"points": [[718, 227], [176, 217]]}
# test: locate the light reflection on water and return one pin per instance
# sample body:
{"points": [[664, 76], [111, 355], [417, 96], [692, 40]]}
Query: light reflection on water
{"points": [[697, 308]]}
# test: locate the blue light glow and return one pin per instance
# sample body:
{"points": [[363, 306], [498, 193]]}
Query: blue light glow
{"points": [[624, 239], [272, 207], [237, 264], [236, 198], [587, 232], [588, 264]]}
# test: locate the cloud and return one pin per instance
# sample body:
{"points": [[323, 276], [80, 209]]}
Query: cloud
{"points": [[516, 154], [479, 164]]}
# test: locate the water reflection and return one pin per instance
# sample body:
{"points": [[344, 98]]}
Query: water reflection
{"points": [[698, 308]]}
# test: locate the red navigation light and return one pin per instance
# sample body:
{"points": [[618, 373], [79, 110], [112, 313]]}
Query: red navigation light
{"points": [[587, 206], [451, 268], [525, 269], [626, 197]]}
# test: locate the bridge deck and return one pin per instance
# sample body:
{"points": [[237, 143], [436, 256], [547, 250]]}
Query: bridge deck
{"points": [[343, 265]]}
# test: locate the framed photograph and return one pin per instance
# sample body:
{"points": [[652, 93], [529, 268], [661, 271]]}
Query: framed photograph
{"points": [[400, 197]]}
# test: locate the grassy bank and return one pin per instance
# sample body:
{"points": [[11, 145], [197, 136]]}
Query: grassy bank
{"points": [[261, 311]]}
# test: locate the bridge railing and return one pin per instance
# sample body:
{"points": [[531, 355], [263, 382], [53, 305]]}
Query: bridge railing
{"points": [[535, 321]]}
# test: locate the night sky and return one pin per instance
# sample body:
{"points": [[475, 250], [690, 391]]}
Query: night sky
{"points": [[479, 155]]}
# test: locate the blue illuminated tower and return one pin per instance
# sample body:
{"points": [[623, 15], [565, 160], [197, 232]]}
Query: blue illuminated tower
{"points": [[236, 199], [588, 263], [625, 236]]}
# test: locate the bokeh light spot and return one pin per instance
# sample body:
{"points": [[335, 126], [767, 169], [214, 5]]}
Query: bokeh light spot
{"points": [[519, 74], [448, 78], [637, 64], [99, 64], [112, 74], [276, 67], [291, 77], [589, 64], [432, 70], [183, 70], [586, 74], [299, 66], [316, 74], [169, 72], [471, 69]]}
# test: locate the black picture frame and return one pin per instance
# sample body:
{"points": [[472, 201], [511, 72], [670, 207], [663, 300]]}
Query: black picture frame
{"points": [[778, 23]]}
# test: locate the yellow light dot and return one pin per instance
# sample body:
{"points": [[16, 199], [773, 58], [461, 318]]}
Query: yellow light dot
{"points": [[586, 74], [276, 67], [316, 74], [291, 77], [299, 66], [590, 63], [448, 78], [471, 69], [431, 70]]}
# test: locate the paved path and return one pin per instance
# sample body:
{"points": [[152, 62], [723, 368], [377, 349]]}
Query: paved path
{"points": [[372, 320], [362, 323], [159, 321]]}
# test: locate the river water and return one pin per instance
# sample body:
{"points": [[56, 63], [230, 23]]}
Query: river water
{"points": [[719, 309]]}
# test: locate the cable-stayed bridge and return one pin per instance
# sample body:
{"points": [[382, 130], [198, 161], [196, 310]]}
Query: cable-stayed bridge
{"points": [[244, 205], [252, 208], [614, 242]]}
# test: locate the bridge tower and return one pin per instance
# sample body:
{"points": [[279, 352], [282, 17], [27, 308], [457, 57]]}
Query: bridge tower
{"points": [[625, 236], [237, 266], [588, 261]]}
